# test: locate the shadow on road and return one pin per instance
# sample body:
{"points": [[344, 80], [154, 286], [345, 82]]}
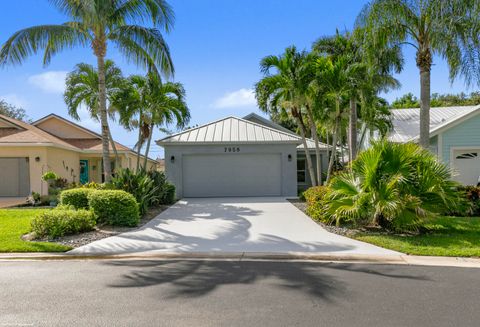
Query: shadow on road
{"points": [[198, 278]]}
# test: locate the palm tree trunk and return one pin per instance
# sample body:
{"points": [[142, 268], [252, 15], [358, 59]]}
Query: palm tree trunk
{"points": [[352, 130], [139, 144], [307, 152], [318, 160], [114, 148], [333, 154], [102, 106], [425, 108], [148, 148]]}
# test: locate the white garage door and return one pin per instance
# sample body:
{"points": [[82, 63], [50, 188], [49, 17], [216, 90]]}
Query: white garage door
{"points": [[232, 175], [14, 177], [467, 166]]}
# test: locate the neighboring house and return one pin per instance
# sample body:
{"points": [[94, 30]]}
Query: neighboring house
{"points": [[454, 137], [52, 143], [249, 156]]}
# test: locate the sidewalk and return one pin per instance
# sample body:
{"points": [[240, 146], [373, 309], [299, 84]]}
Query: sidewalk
{"points": [[251, 256]]}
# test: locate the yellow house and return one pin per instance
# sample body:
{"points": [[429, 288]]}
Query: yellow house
{"points": [[56, 144]]}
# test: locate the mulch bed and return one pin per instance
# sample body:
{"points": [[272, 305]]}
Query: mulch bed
{"points": [[344, 231], [102, 232]]}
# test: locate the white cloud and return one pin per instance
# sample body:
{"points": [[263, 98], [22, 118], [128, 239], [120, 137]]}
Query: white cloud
{"points": [[51, 81], [235, 99], [14, 100]]}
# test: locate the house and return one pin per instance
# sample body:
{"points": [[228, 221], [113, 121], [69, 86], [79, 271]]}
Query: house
{"points": [[52, 143], [248, 156], [454, 137]]}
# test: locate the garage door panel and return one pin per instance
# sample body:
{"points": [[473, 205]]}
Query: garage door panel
{"points": [[232, 175], [14, 177], [467, 166]]}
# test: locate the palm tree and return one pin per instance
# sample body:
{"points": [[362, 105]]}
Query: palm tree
{"points": [[82, 89], [166, 106], [376, 74], [146, 103], [95, 24], [286, 89], [334, 77], [431, 27]]}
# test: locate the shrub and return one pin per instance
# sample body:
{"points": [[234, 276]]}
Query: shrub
{"points": [[168, 196], [77, 197], [395, 186], [49, 176], [314, 197], [471, 203], [140, 185], [59, 222], [114, 207]]}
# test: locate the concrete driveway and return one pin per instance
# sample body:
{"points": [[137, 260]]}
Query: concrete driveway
{"points": [[231, 225], [7, 202]]}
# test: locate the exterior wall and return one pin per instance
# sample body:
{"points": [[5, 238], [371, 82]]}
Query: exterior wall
{"points": [[465, 134], [37, 168], [173, 170], [62, 129], [434, 145], [130, 161], [324, 158], [64, 163]]}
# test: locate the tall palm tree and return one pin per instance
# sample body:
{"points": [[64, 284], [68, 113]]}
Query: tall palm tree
{"points": [[376, 74], [82, 89], [166, 106], [95, 24], [431, 27], [285, 90], [145, 103], [334, 76]]}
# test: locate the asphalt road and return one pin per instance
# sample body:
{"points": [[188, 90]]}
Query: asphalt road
{"points": [[233, 293]]}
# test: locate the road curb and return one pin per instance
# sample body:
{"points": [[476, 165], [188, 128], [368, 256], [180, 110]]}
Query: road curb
{"points": [[255, 256]]}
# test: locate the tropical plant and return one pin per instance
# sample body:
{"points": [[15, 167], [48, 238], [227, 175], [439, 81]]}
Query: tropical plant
{"points": [[392, 185], [82, 89], [95, 24], [146, 103], [284, 91], [139, 184], [431, 27]]}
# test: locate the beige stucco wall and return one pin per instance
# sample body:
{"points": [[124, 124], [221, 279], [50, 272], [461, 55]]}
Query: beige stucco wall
{"points": [[130, 161], [64, 163], [62, 129]]}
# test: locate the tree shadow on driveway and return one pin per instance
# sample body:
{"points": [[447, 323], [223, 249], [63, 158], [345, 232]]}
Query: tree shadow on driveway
{"points": [[196, 278]]}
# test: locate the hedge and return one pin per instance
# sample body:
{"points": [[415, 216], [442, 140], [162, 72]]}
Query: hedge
{"points": [[59, 222], [114, 207], [314, 197], [77, 197]]}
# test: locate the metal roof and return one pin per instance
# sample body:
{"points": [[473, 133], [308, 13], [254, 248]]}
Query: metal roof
{"points": [[406, 122], [231, 130], [263, 121]]}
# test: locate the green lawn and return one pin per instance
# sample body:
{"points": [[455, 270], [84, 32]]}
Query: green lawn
{"points": [[449, 236], [16, 222]]}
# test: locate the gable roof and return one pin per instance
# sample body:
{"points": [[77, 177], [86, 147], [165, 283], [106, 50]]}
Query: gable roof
{"points": [[406, 122], [26, 134], [231, 130], [267, 122]]}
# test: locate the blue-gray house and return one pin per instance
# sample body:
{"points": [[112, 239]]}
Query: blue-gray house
{"points": [[455, 137]]}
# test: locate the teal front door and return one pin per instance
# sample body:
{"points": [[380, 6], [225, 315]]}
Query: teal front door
{"points": [[83, 171]]}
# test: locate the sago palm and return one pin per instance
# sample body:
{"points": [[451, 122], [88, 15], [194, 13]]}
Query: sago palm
{"points": [[82, 89], [392, 185], [95, 24], [432, 27]]}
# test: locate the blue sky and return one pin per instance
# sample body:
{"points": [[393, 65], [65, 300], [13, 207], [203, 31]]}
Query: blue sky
{"points": [[216, 46]]}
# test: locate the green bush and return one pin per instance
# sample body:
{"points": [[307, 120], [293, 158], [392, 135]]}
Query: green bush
{"points": [[168, 194], [114, 207], [59, 222], [394, 186], [471, 203], [314, 197], [77, 197], [140, 185], [49, 176]]}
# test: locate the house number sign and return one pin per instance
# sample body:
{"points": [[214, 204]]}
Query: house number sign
{"points": [[232, 149]]}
